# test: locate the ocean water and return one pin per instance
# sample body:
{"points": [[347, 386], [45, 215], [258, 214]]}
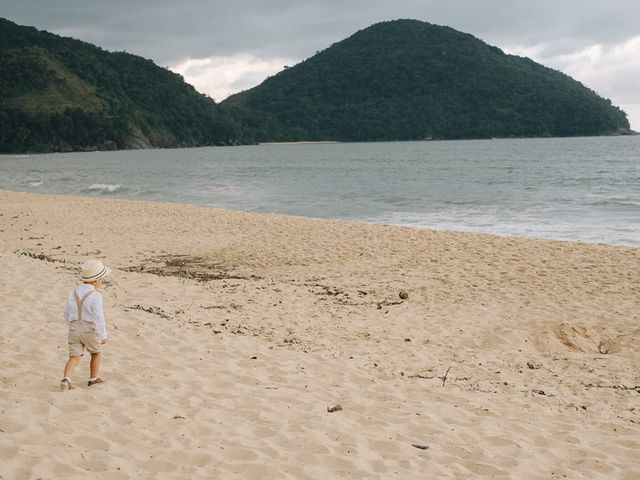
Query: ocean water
{"points": [[584, 189]]}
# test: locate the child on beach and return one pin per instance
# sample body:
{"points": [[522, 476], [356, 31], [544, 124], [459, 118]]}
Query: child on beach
{"points": [[85, 313]]}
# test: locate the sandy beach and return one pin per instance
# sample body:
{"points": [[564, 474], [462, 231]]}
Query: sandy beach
{"points": [[231, 334]]}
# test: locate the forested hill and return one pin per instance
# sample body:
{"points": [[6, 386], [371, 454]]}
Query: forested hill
{"points": [[407, 79], [58, 93]]}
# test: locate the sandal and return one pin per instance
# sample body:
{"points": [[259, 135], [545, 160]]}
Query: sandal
{"points": [[93, 382], [65, 384]]}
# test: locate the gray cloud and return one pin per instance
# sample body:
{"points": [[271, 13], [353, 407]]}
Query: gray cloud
{"points": [[170, 32]]}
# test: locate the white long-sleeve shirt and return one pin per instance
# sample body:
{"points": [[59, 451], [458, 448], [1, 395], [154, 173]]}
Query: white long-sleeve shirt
{"points": [[92, 309]]}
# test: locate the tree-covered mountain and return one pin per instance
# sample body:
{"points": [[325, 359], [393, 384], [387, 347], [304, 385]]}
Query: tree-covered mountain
{"points": [[407, 79], [58, 93]]}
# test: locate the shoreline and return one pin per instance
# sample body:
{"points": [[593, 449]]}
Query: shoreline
{"points": [[94, 148], [321, 219], [303, 142], [233, 333]]}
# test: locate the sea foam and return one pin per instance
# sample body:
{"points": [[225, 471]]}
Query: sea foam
{"points": [[105, 187]]}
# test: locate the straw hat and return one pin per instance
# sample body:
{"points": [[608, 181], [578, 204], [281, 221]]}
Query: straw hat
{"points": [[92, 270]]}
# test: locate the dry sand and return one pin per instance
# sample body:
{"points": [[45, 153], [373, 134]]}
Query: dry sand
{"points": [[231, 333]]}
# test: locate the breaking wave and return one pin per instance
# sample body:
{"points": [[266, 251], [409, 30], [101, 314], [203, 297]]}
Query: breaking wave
{"points": [[105, 188]]}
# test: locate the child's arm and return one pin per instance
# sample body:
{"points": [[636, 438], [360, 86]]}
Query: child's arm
{"points": [[98, 309]]}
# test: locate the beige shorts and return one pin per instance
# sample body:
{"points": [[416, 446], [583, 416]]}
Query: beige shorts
{"points": [[83, 335]]}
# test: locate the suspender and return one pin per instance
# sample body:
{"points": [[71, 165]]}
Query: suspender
{"points": [[80, 301]]}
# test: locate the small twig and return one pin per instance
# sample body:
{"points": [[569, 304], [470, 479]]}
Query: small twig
{"points": [[444, 379], [386, 303], [417, 375], [419, 446]]}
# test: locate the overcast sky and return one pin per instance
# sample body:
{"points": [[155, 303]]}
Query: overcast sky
{"points": [[222, 47]]}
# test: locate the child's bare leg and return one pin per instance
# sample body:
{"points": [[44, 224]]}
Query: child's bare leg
{"points": [[94, 366], [71, 365]]}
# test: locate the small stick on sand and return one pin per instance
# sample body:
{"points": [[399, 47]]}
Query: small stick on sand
{"points": [[420, 446], [444, 379]]}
